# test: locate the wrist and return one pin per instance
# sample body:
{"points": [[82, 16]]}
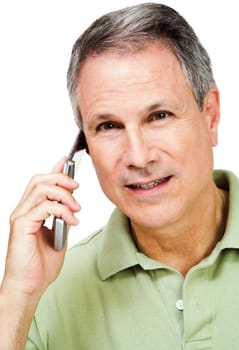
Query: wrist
{"points": [[11, 293], [16, 313]]}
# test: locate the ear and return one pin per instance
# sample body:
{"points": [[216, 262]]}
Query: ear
{"points": [[211, 111]]}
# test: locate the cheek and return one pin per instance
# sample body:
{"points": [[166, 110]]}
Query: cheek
{"points": [[103, 162], [190, 146], [196, 153], [107, 178]]}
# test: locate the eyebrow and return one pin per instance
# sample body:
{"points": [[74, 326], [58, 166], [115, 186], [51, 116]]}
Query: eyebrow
{"points": [[162, 104], [152, 107]]}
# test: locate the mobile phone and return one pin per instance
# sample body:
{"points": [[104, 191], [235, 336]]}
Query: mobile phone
{"points": [[60, 228]]}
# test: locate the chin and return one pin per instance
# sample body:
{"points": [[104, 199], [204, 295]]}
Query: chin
{"points": [[152, 219]]}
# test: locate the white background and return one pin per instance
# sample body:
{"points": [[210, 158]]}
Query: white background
{"points": [[36, 121]]}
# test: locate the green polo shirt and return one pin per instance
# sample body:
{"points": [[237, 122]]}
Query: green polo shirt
{"points": [[109, 296]]}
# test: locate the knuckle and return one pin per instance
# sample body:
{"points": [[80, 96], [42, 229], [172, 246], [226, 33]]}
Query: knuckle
{"points": [[35, 179], [39, 188], [14, 220], [12, 217], [61, 210]]}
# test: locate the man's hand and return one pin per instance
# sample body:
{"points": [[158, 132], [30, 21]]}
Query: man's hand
{"points": [[32, 263]]}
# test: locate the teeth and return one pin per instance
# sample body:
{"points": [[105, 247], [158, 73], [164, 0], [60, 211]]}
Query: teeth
{"points": [[150, 184]]}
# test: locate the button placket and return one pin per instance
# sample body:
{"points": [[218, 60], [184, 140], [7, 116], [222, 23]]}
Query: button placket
{"points": [[197, 310]]}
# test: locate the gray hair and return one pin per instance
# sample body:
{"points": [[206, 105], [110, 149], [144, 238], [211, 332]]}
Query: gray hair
{"points": [[133, 28]]}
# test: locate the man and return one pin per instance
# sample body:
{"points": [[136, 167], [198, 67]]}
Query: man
{"points": [[162, 274]]}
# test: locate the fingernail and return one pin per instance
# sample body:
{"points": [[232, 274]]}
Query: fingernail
{"points": [[77, 205], [76, 221]]}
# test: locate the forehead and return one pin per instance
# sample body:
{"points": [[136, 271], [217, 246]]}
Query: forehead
{"points": [[132, 78]]}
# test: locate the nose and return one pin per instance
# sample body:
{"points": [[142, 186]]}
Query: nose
{"points": [[139, 151]]}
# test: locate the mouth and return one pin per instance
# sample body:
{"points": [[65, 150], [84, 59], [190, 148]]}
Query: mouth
{"points": [[149, 185]]}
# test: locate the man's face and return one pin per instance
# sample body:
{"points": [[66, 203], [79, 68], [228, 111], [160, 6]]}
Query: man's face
{"points": [[149, 142]]}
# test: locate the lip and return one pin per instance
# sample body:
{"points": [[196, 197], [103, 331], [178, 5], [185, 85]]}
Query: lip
{"points": [[149, 185]]}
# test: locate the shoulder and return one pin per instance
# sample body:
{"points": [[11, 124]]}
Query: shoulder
{"points": [[86, 248]]}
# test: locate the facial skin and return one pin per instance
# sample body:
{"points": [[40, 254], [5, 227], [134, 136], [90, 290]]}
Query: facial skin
{"points": [[149, 142]]}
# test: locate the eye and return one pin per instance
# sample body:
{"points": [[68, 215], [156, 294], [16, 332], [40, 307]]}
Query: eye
{"points": [[107, 126], [160, 115]]}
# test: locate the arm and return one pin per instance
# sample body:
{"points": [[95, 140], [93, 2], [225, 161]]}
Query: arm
{"points": [[32, 263]]}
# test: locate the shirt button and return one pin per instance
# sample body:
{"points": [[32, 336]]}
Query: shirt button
{"points": [[179, 305]]}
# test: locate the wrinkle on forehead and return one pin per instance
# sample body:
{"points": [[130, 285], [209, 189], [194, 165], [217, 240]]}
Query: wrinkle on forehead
{"points": [[145, 101], [149, 77]]}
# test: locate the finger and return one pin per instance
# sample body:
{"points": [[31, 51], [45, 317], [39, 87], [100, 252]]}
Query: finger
{"points": [[48, 208], [59, 180], [31, 223], [58, 168], [45, 191]]}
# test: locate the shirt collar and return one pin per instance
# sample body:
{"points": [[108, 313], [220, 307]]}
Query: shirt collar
{"points": [[117, 250], [228, 181]]}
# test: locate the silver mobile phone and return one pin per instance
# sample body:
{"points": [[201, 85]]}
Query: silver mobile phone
{"points": [[60, 228], [59, 225]]}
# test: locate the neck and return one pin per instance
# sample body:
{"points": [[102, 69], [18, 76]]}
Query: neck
{"points": [[186, 243]]}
